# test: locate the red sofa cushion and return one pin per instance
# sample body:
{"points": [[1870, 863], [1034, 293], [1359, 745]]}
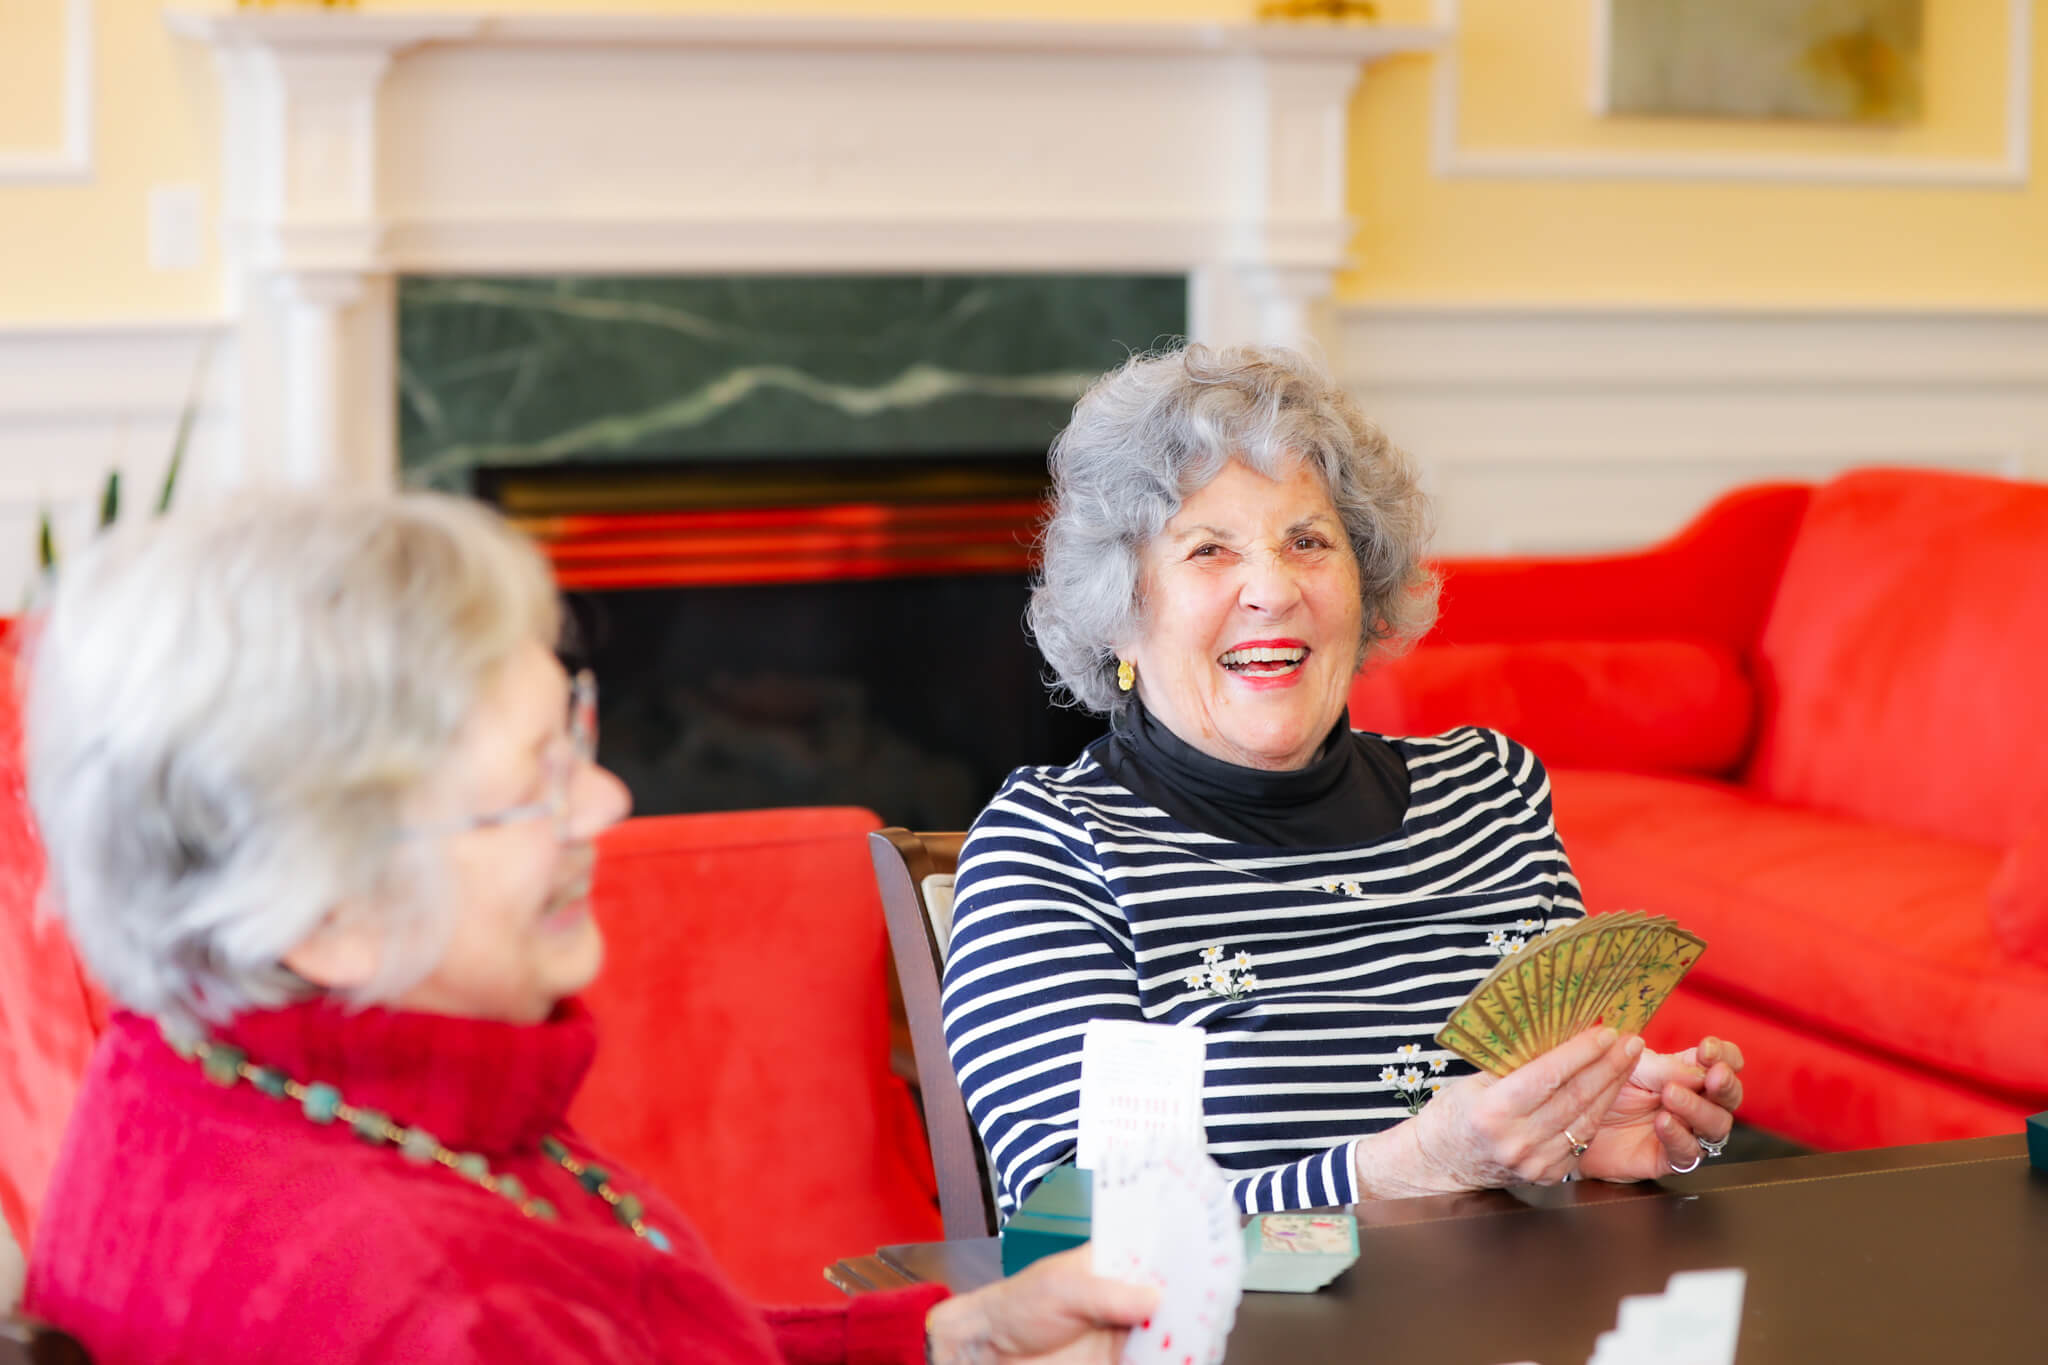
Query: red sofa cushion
{"points": [[1647, 705], [1904, 660], [2019, 897], [1859, 931], [1831, 1094], [743, 1063]]}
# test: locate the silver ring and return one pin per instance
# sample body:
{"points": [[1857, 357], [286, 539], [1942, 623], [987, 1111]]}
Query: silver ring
{"points": [[1712, 1148], [1687, 1170], [1578, 1147]]}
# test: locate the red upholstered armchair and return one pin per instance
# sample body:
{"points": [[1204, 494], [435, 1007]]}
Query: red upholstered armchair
{"points": [[743, 1062], [1809, 728], [50, 1016]]}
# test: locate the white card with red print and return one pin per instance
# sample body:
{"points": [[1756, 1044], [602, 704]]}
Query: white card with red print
{"points": [[1165, 1217], [1142, 1084]]}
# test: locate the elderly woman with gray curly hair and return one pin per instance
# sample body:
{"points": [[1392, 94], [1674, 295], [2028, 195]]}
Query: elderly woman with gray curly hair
{"points": [[319, 804], [1230, 542]]}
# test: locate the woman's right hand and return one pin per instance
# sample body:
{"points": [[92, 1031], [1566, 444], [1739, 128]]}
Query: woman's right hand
{"points": [[1480, 1132]]}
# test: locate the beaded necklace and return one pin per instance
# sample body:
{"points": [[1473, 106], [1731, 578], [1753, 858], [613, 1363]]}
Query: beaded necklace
{"points": [[224, 1065]]}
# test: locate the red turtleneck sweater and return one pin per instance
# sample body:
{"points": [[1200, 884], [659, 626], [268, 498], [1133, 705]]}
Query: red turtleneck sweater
{"points": [[187, 1222]]}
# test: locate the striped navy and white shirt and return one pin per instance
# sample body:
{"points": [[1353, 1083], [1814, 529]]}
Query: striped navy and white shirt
{"points": [[1077, 900]]}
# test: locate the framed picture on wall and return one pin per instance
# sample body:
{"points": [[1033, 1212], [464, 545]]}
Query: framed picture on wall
{"points": [[1849, 61]]}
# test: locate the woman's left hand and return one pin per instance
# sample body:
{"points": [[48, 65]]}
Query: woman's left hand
{"points": [[1056, 1311], [1671, 1101]]}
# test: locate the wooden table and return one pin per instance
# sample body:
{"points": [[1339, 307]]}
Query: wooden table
{"points": [[1905, 1254]]}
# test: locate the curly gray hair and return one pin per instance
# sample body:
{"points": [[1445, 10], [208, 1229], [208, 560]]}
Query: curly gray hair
{"points": [[227, 710], [1150, 433]]}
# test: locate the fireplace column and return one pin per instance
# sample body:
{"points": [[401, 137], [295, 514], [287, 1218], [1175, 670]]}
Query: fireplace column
{"points": [[1291, 229], [308, 285]]}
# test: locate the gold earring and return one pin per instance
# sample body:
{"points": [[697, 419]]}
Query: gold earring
{"points": [[1126, 676]]}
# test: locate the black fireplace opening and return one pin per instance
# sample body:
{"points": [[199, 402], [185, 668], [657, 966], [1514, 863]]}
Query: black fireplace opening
{"points": [[913, 696], [805, 631]]}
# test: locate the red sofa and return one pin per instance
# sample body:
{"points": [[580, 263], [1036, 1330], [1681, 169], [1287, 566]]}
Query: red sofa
{"points": [[1810, 729], [744, 1058]]}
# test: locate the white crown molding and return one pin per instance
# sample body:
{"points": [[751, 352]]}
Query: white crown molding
{"points": [[72, 160], [1450, 158], [728, 238], [394, 31]]}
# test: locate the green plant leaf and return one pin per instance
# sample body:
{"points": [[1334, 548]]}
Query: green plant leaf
{"points": [[187, 416], [110, 499], [46, 542]]}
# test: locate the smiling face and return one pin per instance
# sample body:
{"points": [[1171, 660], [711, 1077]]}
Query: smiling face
{"points": [[1252, 621], [523, 936]]}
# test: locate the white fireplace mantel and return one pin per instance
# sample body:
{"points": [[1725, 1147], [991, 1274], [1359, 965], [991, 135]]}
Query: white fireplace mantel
{"points": [[360, 147]]}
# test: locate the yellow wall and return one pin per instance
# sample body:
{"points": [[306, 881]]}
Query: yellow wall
{"points": [[1524, 73], [78, 252]]}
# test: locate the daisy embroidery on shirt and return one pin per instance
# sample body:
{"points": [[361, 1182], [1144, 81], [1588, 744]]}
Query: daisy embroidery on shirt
{"points": [[1232, 980], [1408, 1081]]}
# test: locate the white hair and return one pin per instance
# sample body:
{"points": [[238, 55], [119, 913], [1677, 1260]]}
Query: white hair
{"points": [[227, 709], [1153, 431]]}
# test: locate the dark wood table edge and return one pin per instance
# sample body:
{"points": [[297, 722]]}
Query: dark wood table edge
{"points": [[972, 1263]]}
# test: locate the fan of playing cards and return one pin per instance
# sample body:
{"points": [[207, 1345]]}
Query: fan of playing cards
{"points": [[1605, 969]]}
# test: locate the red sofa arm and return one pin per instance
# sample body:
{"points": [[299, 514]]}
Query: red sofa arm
{"points": [[1712, 581], [1630, 661]]}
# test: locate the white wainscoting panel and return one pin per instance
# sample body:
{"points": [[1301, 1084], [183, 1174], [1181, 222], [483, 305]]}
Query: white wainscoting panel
{"points": [[1538, 430], [71, 162], [1565, 430], [77, 401]]}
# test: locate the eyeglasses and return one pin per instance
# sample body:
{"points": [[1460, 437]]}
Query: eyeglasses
{"points": [[576, 747]]}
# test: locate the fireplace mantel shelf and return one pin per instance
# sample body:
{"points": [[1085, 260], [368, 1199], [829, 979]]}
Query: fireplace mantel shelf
{"points": [[397, 30], [365, 146]]}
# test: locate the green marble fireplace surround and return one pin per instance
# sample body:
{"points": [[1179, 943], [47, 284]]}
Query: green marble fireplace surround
{"points": [[527, 372]]}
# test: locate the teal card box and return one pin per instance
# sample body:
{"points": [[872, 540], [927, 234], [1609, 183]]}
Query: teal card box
{"points": [[1298, 1253], [1054, 1217], [2037, 1141]]}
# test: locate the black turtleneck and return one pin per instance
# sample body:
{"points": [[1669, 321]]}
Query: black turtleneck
{"points": [[1354, 791]]}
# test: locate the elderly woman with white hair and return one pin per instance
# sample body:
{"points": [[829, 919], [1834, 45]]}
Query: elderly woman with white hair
{"points": [[1231, 541], [319, 804]]}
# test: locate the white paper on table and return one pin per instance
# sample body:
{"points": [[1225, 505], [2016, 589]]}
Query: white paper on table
{"points": [[1695, 1321], [1140, 1083]]}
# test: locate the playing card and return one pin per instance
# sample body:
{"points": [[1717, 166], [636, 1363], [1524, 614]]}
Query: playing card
{"points": [[1623, 975], [1141, 1083], [1457, 1036], [1610, 969], [1671, 955], [1607, 936], [1576, 959], [1695, 1321], [1527, 966], [1503, 1000], [1165, 1217]]}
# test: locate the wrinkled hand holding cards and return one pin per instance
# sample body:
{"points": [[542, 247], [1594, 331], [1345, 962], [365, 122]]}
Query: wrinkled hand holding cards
{"points": [[1163, 1212], [1613, 970]]}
